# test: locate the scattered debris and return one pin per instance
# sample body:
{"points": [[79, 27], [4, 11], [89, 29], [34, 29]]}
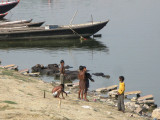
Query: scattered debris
{"points": [[138, 110], [156, 113], [137, 93], [97, 35], [86, 107], [24, 71], [147, 97], [106, 89], [113, 93]]}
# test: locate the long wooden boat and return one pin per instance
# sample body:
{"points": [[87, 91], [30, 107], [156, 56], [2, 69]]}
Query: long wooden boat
{"points": [[3, 15], [21, 24], [56, 31], [3, 24], [5, 6]]}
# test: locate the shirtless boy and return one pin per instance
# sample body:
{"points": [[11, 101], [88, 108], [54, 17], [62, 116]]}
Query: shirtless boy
{"points": [[56, 91]]}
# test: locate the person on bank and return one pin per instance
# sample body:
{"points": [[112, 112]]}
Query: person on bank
{"points": [[87, 77], [62, 72], [121, 91], [56, 91], [82, 83]]}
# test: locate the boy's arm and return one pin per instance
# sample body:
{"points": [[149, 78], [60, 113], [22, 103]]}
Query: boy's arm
{"points": [[64, 92], [90, 77]]}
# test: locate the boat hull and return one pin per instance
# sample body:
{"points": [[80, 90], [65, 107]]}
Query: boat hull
{"points": [[60, 33], [3, 15], [5, 7]]}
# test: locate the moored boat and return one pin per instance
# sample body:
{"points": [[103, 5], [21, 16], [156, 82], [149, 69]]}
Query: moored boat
{"points": [[22, 24], [3, 15], [5, 6], [52, 31], [15, 22]]}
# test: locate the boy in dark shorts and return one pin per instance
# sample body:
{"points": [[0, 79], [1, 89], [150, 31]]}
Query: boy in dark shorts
{"points": [[87, 77]]}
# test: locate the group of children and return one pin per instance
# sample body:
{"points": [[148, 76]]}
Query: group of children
{"points": [[84, 78]]}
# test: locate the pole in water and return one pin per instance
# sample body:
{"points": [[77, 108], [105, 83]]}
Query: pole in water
{"points": [[44, 94], [91, 18]]}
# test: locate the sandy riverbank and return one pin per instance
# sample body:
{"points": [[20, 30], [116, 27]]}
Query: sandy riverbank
{"points": [[22, 98]]}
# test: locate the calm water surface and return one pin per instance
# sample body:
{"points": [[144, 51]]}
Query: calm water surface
{"points": [[130, 44]]}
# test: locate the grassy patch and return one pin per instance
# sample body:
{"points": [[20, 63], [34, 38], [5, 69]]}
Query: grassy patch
{"points": [[7, 72], [4, 108], [9, 102], [30, 94], [21, 90], [23, 78], [16, 75]]}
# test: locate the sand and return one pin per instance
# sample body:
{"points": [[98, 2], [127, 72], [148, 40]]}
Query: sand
{"points": [[22, 98]]}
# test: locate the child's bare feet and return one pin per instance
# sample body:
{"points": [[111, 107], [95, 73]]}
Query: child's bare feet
{"points": [[86, 100]]}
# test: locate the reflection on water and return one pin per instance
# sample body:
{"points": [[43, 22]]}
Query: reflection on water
{"points": [[89, 44]]}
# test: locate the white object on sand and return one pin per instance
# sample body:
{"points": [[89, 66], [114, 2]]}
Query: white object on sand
{"points": [[86, 107]]}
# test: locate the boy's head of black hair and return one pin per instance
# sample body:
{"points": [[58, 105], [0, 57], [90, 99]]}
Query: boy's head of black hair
{"points": [[80, 67], [121, 78], [84, 66], [62, 61], [62, 85]]}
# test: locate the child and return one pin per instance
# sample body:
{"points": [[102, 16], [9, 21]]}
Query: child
{"points": [[82, 82], [56, 91], [62, 72], [121, 90], [87, 77]]}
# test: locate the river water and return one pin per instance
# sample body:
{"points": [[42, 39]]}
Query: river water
{"points": [[129, 46]]}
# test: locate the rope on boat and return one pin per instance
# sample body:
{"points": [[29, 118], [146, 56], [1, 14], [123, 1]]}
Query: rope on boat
{"points": [[74, 32]]}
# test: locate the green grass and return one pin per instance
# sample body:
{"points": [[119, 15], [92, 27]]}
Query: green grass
{"points": [[4, 108], [9, 102], [15, 75], [7, 72], [21, 90], [30, 94]]}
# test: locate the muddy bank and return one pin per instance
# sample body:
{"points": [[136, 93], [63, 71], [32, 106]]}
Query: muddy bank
{"points": [[23, 98]]}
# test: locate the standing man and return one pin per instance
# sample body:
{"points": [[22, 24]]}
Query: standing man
{"points": [[121, 90], [62, 72], [87, 77]]}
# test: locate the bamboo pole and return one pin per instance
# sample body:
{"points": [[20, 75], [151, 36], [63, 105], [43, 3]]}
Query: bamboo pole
{"points": [[60, 103]]}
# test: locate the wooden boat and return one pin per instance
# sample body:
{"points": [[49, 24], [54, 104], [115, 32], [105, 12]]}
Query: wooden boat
{"points": [[15, 22], [36, 24], [3, 15], [5, 6], [54, 31]]}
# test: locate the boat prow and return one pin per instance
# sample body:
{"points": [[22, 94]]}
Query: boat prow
{"points": [[3, 15], [6, 6]]}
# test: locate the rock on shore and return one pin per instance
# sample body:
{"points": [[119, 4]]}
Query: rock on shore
{"points": [[156, 113]]}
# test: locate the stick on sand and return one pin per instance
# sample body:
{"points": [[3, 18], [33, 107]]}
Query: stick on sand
{"points": [[59, 103]]}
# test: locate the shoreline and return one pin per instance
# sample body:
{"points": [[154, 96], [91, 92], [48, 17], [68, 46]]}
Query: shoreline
{"points": [[23, 98]]}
